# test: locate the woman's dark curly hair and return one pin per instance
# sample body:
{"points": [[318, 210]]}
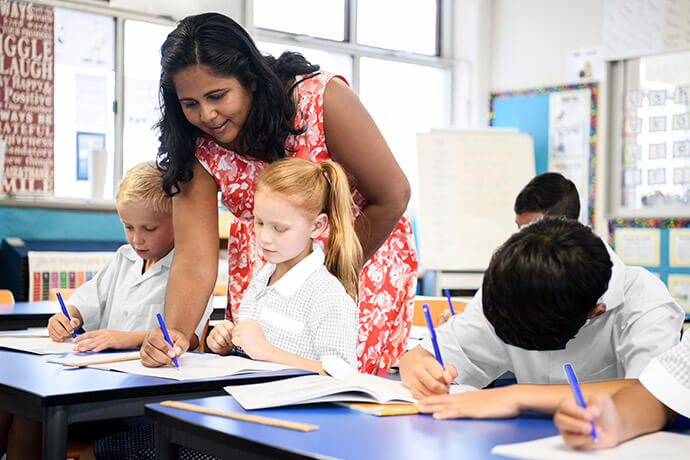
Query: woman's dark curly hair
{"points": [[219, 43]]}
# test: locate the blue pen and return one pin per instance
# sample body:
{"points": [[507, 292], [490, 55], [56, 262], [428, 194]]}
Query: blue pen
{"points": [[450, 302], [570, 373], [64, 310], [430, 325], [167, 337]]}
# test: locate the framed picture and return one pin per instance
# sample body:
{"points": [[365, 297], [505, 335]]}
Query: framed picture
{"points": [[86, 142]]}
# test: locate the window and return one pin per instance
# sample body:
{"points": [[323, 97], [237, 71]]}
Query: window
{"points": [[410, 25], [316, 18], [142, 73], [654, 135], [337, 63], [84, 96]]}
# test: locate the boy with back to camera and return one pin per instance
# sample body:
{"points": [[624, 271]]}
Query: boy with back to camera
{"points": [[552, 295]]}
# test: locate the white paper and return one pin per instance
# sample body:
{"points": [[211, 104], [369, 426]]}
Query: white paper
{"points": [[81, 359], [195, 366], [36, 345], [638, 246], [669, 446], [679, 247]]}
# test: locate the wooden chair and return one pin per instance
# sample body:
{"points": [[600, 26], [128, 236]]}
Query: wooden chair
{"points": [[436, 306], [6, 296]]}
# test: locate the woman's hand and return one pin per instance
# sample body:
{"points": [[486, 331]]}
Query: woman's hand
{"points": [[103, 339], [156, 351], [220, 338], [248, 335]]}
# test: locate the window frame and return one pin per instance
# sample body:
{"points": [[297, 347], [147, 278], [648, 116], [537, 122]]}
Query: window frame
{"points": [[444, 14]]}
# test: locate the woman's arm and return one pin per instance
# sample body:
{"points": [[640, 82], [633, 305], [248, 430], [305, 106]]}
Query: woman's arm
{"points": [[355, 142], [194, 267]]}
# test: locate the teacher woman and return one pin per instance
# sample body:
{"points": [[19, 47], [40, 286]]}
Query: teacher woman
{"points": [[228, 111]]}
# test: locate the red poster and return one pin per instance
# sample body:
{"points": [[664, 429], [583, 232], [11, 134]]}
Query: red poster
{"points": [[26, 97]]}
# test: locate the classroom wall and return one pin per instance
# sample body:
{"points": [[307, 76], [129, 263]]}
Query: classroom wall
{"points": [[532, 39]]}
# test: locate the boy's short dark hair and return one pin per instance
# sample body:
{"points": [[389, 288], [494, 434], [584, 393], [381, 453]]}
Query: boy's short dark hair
{"points": [[550, 193], [543, 281]]}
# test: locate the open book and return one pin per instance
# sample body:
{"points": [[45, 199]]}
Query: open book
{"points": [[321, 388]]}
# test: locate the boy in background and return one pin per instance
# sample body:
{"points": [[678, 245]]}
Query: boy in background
{"points": [[552, 294]]}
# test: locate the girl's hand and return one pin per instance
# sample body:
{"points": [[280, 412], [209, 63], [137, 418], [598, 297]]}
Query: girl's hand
{"points": [[220, 338], [575, 426], [248, 335], [103, 339], [60, 328]]}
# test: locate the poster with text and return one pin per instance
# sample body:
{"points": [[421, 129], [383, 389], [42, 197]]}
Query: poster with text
{"points": [[26, 97]]}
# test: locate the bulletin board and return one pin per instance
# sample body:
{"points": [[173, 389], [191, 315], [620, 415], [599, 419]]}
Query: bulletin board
{"points": [[562, 120], [662, 246]]}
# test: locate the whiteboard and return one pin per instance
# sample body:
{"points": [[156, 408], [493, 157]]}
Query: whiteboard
{"points": [[468, 181]]}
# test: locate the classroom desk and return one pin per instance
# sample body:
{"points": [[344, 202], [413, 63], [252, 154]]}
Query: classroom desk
{"points": [[22, 315], [48, 392], [343, 433]]}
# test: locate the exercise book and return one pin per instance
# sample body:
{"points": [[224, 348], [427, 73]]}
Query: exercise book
{"points": [[322, 388], [666, 445], [36, 341]]}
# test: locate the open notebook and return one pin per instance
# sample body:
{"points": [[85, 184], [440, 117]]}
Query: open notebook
{"points": [[321, 388], [34, 341]]}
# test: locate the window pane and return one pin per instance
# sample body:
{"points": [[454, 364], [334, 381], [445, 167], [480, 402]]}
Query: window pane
{"points": [[340, 64], [656, 132], [142, 72], [413, 29], [84, 95], [424, 106], [317, 18]]}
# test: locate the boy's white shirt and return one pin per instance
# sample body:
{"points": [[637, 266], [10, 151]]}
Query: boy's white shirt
{"points": [[667, 377], [641, 321], [122, 298]]}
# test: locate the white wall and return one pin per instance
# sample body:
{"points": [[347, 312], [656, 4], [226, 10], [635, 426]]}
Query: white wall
{"points": [[532, 39]]}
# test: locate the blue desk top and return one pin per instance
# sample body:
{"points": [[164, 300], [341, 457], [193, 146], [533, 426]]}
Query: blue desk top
{"points": [[46, 307], [50, 383], [349, 434]]}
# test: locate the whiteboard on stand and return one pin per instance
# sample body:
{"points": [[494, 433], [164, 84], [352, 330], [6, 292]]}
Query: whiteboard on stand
{"points": [[468, 181]]}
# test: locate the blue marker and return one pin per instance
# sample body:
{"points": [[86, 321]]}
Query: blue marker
{"points": [[167, 337], [64, 310], [430, 325], [450, 302], [570, 373]]}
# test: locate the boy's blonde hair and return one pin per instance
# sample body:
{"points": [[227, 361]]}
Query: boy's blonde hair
{"points": [[321, 188], [145, 183]]}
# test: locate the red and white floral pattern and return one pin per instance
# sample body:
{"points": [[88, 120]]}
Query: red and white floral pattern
{"points": [[388, 280]]}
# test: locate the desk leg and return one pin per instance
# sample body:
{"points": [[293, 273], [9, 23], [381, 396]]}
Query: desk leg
{"points": [[164, 448], [54, 433]]}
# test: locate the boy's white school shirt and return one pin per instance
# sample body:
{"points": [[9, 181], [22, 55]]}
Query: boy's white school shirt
{"points": [[121, 298], [641, 321], [306, 312], [667, 377]]}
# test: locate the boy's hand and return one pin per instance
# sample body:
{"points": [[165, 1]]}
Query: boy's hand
{"points": [[444, 317], [248, 335], [156, 351], [576, 429], [103, 339], [492, 403], [220, 338], [428, 378], [60, 328]]}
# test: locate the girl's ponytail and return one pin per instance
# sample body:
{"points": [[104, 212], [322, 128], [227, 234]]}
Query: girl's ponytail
{"points": [[344, 251]]}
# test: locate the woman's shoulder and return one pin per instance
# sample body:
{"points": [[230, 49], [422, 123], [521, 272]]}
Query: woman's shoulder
{"points": [[314, 84]]}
